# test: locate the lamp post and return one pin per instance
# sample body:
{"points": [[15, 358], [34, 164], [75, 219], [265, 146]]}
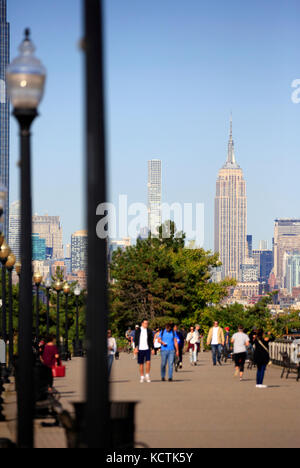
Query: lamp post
{"points": [[58, 287], [97, 391], [11, 260], [77, 350], [48, 287], [66, 290], [4, 253], [25, 78], [37, 278], [18, 268]]}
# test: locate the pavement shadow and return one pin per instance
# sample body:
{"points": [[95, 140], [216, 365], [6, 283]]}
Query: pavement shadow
{"points": [[173, 381]]}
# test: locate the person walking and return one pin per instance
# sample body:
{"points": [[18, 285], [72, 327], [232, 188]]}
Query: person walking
{"points": [[49, 358], [261, 357], [111, 350], [216, 340], [180, 342], [191, 346], [133, 333], [128, 336], [197, 336], [227, 343], [169, 348], [240, 341], [157, 344], [143, 349]]}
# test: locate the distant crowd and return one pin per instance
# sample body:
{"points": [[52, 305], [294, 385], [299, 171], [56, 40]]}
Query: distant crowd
{"points": [[171, 342]]}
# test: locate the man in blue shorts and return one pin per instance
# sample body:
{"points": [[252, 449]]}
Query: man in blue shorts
{"points": [[143, 349]]}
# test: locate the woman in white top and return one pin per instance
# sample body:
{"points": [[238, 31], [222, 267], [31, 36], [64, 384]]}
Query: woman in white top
{"points": [[111, 350], [157, 345]]}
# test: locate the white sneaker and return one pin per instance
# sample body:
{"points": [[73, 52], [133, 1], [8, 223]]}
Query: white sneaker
{"points": [[261, 386], [148, 380], [142, 379]]}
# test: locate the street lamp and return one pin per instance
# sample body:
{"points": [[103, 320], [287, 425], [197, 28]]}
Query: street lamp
{"points": [[77, 350], [18, 268], [97, 387], [11, 260], [25, 78], [58, 287], [4, 253], [37, 278], [66, 290], [48, 284]]}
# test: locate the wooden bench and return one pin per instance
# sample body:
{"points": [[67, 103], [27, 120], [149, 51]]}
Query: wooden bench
{"points": [[289, 367]]}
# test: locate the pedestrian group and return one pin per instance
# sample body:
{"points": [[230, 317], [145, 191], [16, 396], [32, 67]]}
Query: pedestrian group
{"points": [[170, 342]]}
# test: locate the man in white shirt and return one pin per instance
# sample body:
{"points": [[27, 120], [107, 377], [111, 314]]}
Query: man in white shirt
{"points": [[143, 348], [240, 342]]}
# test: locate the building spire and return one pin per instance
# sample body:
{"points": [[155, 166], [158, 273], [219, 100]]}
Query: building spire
{"points": [[231, 160]]}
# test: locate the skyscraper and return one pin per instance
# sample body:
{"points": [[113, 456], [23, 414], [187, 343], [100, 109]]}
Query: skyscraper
{"points": [[286, 239], [154, 195], [231, 215], [49, 228], [38, 248], [265, 262], [4, 110], [249, 246], [79, 242], [292, 271], [15, 229]]}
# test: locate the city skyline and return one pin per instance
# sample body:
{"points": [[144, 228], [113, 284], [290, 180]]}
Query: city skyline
{"points": [[183, 120]]}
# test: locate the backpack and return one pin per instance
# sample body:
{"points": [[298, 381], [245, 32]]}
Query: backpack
{"points": [[162, 334]]}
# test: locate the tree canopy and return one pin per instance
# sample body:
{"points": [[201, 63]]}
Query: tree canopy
{"points": [[162, 280]]}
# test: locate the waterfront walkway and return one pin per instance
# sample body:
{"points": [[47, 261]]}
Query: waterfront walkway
{"points": [[205, 406]]}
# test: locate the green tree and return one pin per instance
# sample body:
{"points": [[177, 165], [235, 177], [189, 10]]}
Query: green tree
{"points": [[162, 280]]}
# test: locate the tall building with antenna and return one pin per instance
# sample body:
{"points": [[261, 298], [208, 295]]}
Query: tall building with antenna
{"points": [[4, 110], [231, 215]]}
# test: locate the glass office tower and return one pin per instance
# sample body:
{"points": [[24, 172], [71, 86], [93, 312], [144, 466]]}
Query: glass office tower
{"points": [[4, 110]]}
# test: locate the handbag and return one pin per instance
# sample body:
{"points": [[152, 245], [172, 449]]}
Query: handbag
{"points": [[58, 370]]}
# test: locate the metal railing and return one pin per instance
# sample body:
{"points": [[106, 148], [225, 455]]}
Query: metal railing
{"points": [[277, 348]]}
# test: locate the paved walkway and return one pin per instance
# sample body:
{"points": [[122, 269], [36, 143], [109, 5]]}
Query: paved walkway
{"points": [[204, 407], [207, 407]]}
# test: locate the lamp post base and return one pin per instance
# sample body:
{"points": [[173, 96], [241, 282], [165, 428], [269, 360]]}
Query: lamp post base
{"points": [[78, 351]]}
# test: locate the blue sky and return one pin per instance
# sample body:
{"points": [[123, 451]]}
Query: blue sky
{"points": [[175, 70]]}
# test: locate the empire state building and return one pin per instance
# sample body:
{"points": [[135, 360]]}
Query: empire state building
{"points": [[231, 215]]}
